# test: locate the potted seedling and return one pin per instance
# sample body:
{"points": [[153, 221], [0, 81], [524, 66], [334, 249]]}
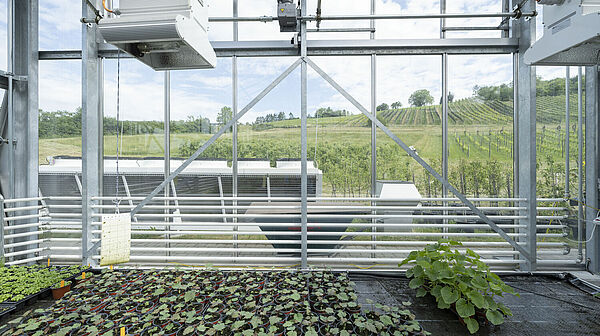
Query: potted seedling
{"points": [[60, 289]]}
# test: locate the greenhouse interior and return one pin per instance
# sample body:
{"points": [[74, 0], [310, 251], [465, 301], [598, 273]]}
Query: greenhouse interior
{"points": [[299, 167]]}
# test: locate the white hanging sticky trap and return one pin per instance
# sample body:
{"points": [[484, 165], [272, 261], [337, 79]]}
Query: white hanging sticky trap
{"points": [[116, 239]]}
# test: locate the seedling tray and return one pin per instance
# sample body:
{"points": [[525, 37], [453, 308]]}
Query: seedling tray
{"points": [[5, 311]]}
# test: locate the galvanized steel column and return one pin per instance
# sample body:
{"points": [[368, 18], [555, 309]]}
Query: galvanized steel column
{"points": [[580, 158], [234, 162], [92, 165], [524, 29], [304, 141], [373, 130], [1, 231], [445, 151], [592, 148], [568, 134], [25, 148], [167, 140]]}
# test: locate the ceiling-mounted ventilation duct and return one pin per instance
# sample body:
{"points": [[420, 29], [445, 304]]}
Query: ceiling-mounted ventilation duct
{"points": [[164, 34], [571, 34]]}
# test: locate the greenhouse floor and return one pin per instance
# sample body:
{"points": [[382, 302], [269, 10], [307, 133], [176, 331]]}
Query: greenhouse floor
{"points": [[548, 306]]}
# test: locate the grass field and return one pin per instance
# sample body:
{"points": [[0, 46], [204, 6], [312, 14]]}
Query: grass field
{"points": [[480, 147]]}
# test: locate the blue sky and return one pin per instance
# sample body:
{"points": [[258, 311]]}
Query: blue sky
{"points": [[204, 92]]}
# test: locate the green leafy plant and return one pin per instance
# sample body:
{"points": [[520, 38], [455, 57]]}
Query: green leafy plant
{"points": [[458, 281], [19, 282]]}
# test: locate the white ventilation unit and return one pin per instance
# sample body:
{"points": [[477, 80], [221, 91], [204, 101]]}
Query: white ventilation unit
{"points": [[164, 34], [571, 34]]}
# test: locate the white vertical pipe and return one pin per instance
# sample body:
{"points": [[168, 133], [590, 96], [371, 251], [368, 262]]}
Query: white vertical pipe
{"points": [[234, 162], [581, 214], [304, 140], [445, 151], [167, 140], [373, 128], [568, 135]]}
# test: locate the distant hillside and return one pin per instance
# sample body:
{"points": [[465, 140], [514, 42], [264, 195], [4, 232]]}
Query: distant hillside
{"points": [[472, 111]]}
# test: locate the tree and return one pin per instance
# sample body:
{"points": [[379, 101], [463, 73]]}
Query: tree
{"points": [[421, 98], [396, 105], [291, 116], [225, 115], [383, 107], [450, 98]]}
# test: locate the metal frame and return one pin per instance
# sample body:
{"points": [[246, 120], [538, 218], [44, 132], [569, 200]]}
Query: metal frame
{"points": [[592, 148], [515, 41], [92, 168], [525, 109]]}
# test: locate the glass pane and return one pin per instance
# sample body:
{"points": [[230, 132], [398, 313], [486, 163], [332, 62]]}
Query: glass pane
{"points": [[60, 110], [3, 34], [411, 110], [481, 125], [59, 25]]}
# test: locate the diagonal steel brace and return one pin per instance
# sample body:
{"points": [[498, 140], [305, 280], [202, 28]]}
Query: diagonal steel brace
{"points": [[224, 129], [417, 158]]}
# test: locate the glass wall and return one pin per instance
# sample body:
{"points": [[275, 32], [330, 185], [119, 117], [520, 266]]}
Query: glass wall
{"points": [[3, 34], [480, 121], [409, 93], [59, 25]]}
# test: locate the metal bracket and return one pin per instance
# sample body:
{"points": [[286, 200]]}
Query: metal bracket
{"points": [[94, 247]]}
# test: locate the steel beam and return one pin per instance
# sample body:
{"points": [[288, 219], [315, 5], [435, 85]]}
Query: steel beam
{"points": [[234, 103], [2, 260], [217, 135], [24, 114], [373, 129], [568, 134], [457, 46], [92, 165], [580, 158], [307, 18], [526, 113], [592, 149], [445, 151], [304, 140], [167, 140], [419, 160]]}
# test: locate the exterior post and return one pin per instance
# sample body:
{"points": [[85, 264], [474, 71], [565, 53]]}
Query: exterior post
{"points": [[581, 211], [167, 157], [234, 149], [24, 150], [568, 135], [524, 29], [304, 141], [373, 131], [445, 151], [592, 147], [2, 231], [92, 165]]}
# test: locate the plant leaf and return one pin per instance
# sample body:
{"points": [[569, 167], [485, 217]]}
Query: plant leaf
{"points": [[477, 299], [464, 309], [472, 325], [416, 283], [495, 317], [449, 295]]}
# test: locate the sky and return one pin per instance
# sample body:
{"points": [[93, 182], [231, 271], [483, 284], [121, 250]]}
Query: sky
{"points": [[204, 92]]}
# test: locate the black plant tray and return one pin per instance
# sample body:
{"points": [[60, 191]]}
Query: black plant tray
{"points": [[43, 294], [5, 311]]}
